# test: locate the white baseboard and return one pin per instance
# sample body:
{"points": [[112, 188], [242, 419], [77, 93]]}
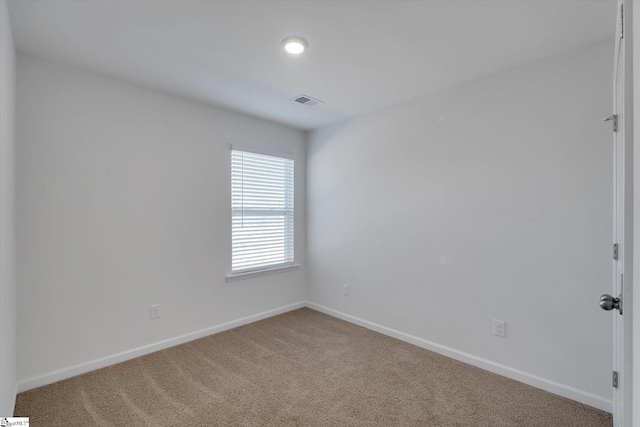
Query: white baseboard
{"points": [[15, 394], [72, 371], [506, 371]]}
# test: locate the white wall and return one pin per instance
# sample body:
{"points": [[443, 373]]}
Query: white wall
{"points": [[490, 200], [7, 217], [123, 201]]}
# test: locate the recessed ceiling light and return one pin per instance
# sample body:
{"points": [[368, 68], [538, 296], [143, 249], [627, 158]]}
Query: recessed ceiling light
{"points": [[294, 45]]}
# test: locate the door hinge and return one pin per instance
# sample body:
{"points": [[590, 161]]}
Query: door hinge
{"points": [[615, 251], [615, 379], [615, 121], [622, 21]]}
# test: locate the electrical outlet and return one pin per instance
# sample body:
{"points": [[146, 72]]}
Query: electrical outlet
{"points": [[155, 311], [498, 328], [345, 290]]}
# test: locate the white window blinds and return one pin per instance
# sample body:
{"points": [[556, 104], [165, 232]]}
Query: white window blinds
{"points": [[262, 211]]}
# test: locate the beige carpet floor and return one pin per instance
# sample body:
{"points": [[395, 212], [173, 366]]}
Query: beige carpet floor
{"points": [[302, 368]]}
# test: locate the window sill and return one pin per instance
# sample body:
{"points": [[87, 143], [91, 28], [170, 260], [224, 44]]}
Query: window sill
{"points": [[251, 274]]}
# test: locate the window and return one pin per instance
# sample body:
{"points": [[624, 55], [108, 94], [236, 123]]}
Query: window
{"points": [[262, 211]]}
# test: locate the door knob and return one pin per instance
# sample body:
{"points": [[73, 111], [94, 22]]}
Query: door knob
{"points": [[607, 302]]}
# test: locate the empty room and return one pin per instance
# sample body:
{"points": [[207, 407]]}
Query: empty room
{"points": [[319, 213]]}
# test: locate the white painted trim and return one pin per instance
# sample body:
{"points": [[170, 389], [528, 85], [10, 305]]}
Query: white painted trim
{"points": [[72, 371], [274, 153], [257, 273], [14, 397], [506, 371], [532, 380], [634, 25]]}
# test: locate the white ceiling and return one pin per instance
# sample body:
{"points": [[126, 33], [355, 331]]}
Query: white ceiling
{"points": [[362, 56]]}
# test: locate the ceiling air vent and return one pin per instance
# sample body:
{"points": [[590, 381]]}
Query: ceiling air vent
{"points": [[307, 100]]}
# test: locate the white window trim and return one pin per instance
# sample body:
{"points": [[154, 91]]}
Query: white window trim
{"points": [[257, 273], [267, 270], [275, 153]]}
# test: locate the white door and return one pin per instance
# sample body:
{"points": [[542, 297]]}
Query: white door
{"points": [[615, 302]]}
